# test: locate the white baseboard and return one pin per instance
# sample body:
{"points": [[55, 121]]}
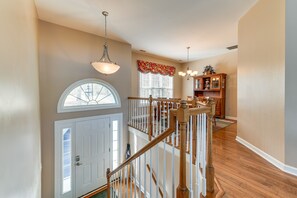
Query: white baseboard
{"points": [[231, 118], [286, 168]]}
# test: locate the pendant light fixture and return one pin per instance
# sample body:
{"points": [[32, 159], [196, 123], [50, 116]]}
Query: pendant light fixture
{"points": [[189, 73], [105, 65]]}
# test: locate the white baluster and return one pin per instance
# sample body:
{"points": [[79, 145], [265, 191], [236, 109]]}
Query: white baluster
{"points": [[129, 112], [168, 117], [151, 172], [137, 114], [113, 186], [139, 176], [131, 102], [164, 169], [160, 118], [130, 180], [163, 118], [126, 181], [188, 137], [123, 183], [157, 182], [172, 165], [198, 175], [204, 155], [144, 174], [191, 155], [153, 118], [134, 179], [146, 116], [133, 114], [157, 117]]}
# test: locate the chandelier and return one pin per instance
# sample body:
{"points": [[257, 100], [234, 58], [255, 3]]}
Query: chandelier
{"points": [[189, 73], [105, 65]]}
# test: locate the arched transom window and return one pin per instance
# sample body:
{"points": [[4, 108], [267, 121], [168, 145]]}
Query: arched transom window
{"points": [[88, 94]]}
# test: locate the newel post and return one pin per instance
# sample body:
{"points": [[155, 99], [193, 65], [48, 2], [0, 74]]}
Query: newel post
{"points": [[183, 117], [108, 182], [209, 167], [150, 121]]}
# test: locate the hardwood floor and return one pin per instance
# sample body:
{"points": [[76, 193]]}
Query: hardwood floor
{"points": [[243, 174]]}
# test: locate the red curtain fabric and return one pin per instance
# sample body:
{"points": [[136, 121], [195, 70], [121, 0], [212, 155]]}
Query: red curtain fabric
{"points": [[155, 68]]}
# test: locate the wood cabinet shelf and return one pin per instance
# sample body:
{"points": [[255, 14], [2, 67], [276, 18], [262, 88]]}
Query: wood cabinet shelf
{"points": [[213, 86]]}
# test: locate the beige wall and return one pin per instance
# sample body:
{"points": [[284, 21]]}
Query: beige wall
{"points": [[226, 63], [64, 58], [177, 82], [19, 101], [261, 67], [291, 82]]}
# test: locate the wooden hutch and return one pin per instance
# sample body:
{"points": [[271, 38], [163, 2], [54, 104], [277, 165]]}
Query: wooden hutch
{"points": [[214, 86]]}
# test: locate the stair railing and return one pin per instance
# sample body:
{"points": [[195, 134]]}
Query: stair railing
{"points": [[150, 115], [182, 125], [117, 180]]}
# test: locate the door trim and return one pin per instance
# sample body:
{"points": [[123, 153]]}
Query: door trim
{"points": [[70, 123]]}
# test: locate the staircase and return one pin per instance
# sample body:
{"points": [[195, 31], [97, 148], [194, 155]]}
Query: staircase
{"points": [[177, 130]]}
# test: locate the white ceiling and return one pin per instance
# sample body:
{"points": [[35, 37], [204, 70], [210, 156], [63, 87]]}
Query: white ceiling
{"points": [[160, 27]]}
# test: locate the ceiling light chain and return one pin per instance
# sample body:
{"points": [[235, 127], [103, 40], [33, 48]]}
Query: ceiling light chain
{"points": [[105, 27], [189, 73], [105, 65]]}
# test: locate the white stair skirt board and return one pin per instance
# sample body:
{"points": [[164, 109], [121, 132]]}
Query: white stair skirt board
{"points": [[286, 168]]}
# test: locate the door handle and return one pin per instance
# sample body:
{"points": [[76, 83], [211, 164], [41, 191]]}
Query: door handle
{"points": [[78, 164], [77, 158]]}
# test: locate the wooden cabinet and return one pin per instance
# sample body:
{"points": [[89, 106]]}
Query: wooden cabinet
{"points": [[214, 86]]}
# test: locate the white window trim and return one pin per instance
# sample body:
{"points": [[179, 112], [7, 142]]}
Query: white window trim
{"points": [[138, 83], [62, 109], [70, 123]]}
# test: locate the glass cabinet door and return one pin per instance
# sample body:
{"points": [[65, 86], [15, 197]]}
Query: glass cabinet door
{"points": [[198, 83], [215, 82]]}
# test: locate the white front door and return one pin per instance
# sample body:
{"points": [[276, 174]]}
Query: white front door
{"points": [[91, 154], [82, 154]]}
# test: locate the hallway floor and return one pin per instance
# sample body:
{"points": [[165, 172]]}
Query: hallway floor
{"points": [[243, 174]]}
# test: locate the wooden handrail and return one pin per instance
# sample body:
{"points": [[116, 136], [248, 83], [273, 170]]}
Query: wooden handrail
{"points": [[154, 178], [195, 111], [137, 98], [166, 100], [151, 144], [154, 99]]}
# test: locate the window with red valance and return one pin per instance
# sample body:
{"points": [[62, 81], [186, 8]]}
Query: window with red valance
{"points": [[155, 79]]}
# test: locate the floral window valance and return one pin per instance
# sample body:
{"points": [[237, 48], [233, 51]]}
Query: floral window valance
{"points": [[155, 68]]}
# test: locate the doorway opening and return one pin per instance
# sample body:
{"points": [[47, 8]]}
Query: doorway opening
{"points": [[84, 149]]}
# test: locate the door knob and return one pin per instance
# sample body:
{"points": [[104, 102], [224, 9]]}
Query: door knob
{"points": [[77, 159]]}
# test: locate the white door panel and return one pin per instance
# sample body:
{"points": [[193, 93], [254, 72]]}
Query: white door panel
{"points": [[92, 154]]}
